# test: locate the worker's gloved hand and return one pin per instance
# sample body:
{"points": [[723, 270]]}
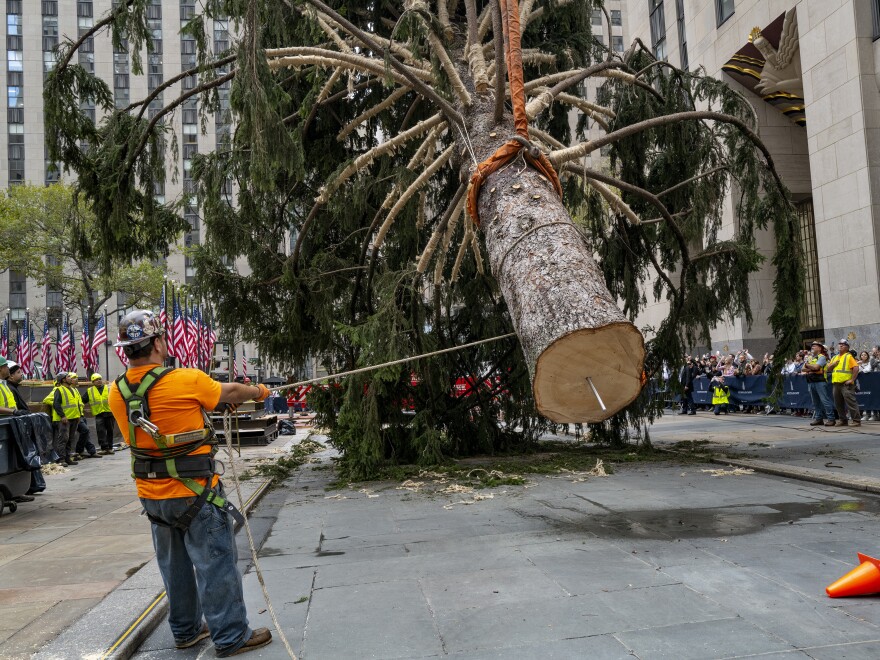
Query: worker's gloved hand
{"points": [[223, 407], [18, 412], [264, 393]]}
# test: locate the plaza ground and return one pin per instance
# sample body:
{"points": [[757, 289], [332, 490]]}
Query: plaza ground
{"points": [[671, 560]]}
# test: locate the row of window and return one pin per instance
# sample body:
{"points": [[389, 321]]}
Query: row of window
{"points": [[599, 17], [724, 9], [14, 103]]}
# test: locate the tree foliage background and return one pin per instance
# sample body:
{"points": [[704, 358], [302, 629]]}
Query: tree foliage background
{"points": [[37, 239], [355, 125]]}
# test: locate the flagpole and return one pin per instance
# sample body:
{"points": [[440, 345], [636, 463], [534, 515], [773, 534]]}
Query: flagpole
{"points": [[106, 345]]}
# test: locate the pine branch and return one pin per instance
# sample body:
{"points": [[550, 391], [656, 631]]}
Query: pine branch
{"points": [[365, 116], [97, 27], [578, 151], [446, 64], [416, 185], [500, 72], [175, 79], [476, 61], [387, 147], [451, 113], [456, 204]]}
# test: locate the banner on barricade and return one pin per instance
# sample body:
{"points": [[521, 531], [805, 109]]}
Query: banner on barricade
{"points": [[752, 390]]}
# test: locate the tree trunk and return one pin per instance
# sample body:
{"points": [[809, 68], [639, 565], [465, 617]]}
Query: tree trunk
{"points": [[568, 324]]}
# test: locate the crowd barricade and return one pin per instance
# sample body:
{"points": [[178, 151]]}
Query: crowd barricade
{"points": [[752, 391]]}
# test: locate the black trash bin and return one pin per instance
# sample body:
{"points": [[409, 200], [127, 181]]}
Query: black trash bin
{"points": [[15, 478]]}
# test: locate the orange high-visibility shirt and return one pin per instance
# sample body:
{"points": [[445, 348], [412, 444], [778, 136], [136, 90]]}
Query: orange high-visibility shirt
{"points": [[176, 402]]}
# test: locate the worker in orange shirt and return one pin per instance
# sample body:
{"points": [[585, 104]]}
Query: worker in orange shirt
{"points": [[161, 412]]}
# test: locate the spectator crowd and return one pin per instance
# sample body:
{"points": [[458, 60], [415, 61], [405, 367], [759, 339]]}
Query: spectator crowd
{"points": [[830, 372]]}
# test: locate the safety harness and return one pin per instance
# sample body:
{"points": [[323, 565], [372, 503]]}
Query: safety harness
{"points": [[172, 457]]}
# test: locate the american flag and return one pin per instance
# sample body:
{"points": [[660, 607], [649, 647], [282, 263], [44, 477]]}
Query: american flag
{"points": [[85, 346], [46, 352], [98, 340], [243, 362], [23, 351], [192, 346], [163, 313], [71, 357], [121, 353], [32, 351], [234, 365], [64, 349], [179, 333], [210, 342], [4, 342]]}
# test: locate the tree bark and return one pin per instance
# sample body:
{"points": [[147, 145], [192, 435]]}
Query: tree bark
{"points": [[569, 326]]}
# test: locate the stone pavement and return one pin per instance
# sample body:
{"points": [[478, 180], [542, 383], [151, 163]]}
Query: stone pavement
{"points": [[72, 548], [654, 561]]}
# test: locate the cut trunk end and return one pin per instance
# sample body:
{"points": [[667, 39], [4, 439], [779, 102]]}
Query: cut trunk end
{"points": [[568, 323], [608, 359]]}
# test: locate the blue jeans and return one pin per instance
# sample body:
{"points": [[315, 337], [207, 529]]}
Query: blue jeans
{"points": [[822, 406], [199, 571]]}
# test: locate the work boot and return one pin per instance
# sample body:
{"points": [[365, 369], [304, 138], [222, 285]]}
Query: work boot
{"points": [[841, 422], [856, 422], [97, 454], [816, 422], [829, 422], [260, 638], [70, 462], [24, 498], [202, 634]]}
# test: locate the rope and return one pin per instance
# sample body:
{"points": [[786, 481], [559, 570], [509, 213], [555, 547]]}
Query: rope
{"points": [[391, 364], [227, 431], [520, 143]]}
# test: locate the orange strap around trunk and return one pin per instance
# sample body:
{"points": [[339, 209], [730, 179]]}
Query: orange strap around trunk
{"points": [[509, 150]]}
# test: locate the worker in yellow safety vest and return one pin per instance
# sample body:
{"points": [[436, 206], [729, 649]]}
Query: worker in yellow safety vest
{"points": [[66, 411], [7, 398], [844, 370], [720, 394], [98, 396]]}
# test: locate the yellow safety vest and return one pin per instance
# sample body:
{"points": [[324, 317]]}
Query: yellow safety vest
{"points": [[841, 369], [719, 395], [99, 402], [7, 399], [70, 403]]}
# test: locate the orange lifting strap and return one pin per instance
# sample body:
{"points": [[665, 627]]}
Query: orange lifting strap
{"points": [[509, 150]]}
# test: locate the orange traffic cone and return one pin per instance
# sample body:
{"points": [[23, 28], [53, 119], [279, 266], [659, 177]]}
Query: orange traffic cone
{"points": [[864, 579]]}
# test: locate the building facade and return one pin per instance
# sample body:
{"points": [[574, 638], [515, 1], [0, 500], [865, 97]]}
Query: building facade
{"points": [[33, 29], [811, 70]]}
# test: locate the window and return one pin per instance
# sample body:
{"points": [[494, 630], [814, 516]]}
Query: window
{"points": [[85, 23], [682, 34], [17, 291], [50, 26], [875, 11], [658, 28], [724, 10], [616, 17], [84, 9], [617, 44], [13, 25], [597, 17], [13, 60], [15, 97], [49, 61], [811, 312]]}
